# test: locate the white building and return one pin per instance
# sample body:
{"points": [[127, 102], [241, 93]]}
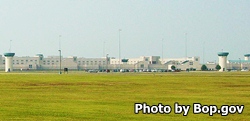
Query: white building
{"points": [[39, 62]]}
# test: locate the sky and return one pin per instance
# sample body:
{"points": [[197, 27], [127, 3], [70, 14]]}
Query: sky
{"points": [[90, 28]]}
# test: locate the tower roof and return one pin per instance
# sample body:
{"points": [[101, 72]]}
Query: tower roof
{"points": [[223, 53], [247, 55], [9, 54]]}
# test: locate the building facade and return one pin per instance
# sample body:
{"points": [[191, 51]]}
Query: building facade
{"points": [[143, 63]]}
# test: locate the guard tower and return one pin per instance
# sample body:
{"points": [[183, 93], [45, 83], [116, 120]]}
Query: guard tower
{"points": [[247, 56], [9, 61], [223, 60]]}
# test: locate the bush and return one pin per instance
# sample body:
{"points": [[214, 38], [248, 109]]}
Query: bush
{"points": [[173, 67], [204, 68], [218, 67]]}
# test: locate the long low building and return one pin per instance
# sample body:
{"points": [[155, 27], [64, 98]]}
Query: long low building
{"points": [[143, 63]]}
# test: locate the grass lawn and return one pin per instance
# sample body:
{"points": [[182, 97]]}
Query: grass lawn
{"points": [[101, 96]]}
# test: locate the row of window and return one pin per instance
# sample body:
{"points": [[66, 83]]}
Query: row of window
{"points": [[91, 62], [22, 60], [15, 63], [48, 61], [128, 61]]}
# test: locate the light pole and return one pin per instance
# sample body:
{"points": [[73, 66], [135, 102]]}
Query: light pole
{"points": [[10, 46], [60, 57], [103, 48], [60, 54], [119, 49], [107, 62], [203, 52], [240, 64], [186, 45], [186, 50], [162, 52]]}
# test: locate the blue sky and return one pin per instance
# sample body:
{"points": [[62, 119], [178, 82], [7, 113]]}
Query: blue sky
{"points": [[34, 27]]}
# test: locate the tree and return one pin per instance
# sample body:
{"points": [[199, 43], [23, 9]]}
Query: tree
{"points": [[218, 67], [204, 68], [173, 67]]}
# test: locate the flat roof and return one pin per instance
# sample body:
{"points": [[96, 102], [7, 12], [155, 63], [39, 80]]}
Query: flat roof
{"points": [[239, 61]]}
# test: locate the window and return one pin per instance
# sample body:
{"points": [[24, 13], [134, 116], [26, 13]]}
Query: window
{"points": [[196, 59], [30, 66], [191, 63]]}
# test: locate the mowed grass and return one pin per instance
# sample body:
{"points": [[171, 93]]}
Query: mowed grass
{"points": [[101, 96]]}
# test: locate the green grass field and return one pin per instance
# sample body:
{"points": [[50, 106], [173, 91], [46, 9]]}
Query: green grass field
{"points": [[101, 96]]}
